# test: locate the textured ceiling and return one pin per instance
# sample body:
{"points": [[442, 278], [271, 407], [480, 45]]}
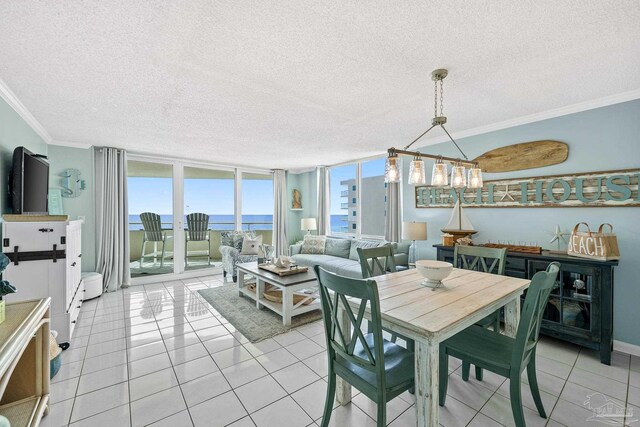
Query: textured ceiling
{"points": [[286, 84]]}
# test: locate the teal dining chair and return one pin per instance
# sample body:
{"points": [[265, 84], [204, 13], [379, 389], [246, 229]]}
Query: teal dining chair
{"points": [[376, 262], [379, 369], [503, 355], [487, 260]]}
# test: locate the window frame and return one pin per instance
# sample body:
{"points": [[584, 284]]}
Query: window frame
{"points": [[358, 232]]}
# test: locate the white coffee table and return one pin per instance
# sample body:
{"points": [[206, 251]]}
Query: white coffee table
{"points": [[289, 285]]}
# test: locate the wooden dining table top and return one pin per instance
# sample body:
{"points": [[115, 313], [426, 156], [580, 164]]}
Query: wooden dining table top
{"points": [[404, 301]]}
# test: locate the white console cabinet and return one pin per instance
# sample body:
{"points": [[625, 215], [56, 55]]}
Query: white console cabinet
{"points": [[46, 262]]}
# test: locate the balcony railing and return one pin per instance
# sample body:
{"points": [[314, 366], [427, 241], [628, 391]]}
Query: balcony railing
{"points": [[344, 193], [136, 233]]}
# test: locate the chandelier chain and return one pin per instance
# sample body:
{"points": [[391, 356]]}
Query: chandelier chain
{"points": [[441, 98], [435, 99]]}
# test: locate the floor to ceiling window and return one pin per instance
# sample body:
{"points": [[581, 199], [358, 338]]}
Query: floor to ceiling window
{"points": [[357, 199], [150, 198], [373, 197], [209, 208], [343, 191], [177, 211], [257, 204]]}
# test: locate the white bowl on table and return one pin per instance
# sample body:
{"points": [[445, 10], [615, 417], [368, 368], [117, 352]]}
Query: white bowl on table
{"points": [[433, 271]]}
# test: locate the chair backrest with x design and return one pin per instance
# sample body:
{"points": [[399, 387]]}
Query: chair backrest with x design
{"points": [[197, 226], [488, 260], [533, 308], [335, 294], [376, 261]]}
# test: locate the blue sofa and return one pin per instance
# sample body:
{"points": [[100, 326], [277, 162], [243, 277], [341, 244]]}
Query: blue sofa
{"points": [[341, 255]]}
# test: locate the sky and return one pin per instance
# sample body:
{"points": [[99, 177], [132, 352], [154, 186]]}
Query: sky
{"points": [[210, 196], [341, 173]]}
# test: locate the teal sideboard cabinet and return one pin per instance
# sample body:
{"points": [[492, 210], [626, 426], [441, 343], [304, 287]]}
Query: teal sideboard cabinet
{"points": [[580, 308]]}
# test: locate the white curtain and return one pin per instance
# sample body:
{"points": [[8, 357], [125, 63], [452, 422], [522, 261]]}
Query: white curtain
{"points": [[393, 214], [323, 200], [280, 240], [112, 217]]}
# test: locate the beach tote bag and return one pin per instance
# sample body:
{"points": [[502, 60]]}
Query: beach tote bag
{"points": [[599, 245]]}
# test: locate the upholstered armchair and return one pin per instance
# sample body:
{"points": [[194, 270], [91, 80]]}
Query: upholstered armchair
{"points": [[230, 248]]}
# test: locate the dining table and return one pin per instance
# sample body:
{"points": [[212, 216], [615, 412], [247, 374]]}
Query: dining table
{"points": [[431, 315]]}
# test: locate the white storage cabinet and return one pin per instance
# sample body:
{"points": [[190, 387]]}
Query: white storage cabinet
{"points": [[46, 262]]}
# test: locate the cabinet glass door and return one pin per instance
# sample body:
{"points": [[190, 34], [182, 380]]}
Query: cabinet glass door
{"points": [[571, 301]]}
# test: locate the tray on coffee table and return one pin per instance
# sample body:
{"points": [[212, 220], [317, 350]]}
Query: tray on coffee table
{"points": [[283, 271]]}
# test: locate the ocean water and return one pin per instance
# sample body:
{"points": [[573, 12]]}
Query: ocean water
{"points": [[226, 222]]}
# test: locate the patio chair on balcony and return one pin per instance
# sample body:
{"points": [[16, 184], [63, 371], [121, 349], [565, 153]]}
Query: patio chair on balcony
{"points": [[197, 231], [152, 233]]}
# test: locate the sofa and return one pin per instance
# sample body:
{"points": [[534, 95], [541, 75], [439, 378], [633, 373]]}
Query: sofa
{"points": [[231, 247], [340, 255]]}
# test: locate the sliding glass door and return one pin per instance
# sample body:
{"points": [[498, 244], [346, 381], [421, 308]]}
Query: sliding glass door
{"points": [[257, 205], [151, 235], [177, 211], [209, 208]]}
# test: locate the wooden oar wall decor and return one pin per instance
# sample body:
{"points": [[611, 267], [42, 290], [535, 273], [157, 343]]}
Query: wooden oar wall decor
{"points": [[527, 155]]}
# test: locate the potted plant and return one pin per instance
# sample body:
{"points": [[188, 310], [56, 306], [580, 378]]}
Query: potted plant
{"points": [[5, 287]]}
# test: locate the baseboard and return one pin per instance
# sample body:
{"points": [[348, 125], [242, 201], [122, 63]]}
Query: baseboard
{"points": [[625, 347]]}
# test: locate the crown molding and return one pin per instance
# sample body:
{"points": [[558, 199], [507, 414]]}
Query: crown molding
{"points": [[13, 101], [71, 144], [537, 117]]}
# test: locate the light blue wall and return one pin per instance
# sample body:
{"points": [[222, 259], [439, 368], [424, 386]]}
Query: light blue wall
{"points": [[602, 139], [306, 183], [14, 132], [61, 158]]}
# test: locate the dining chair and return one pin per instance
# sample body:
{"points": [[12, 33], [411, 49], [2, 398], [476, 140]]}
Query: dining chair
{"points": [[379, 369], [376, 262], [503, 355], [197, 231], [488, 260], [152, 225]]}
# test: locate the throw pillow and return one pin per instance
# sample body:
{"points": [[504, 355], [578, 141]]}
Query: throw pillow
{"points": [[364, 244], [337, 247], [313, 245], [239, 236], [250, 245]]}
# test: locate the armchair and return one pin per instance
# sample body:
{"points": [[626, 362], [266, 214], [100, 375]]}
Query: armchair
{"points": [[230, 247]]}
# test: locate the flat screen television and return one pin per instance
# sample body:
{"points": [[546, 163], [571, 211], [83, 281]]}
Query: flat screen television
{"points": [[29, 183]]}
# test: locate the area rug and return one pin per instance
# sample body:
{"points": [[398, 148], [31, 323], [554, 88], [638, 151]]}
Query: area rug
{"points": [[241, 312]]}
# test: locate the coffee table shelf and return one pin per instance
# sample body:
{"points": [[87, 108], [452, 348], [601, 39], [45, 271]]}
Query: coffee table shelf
{"points": [[289, 285]]}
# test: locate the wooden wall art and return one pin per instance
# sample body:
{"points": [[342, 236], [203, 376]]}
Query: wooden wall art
{"points": [[527, 155], [590, 189]]}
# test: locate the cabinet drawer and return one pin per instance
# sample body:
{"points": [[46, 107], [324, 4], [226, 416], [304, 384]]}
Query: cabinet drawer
{"points": [[77, 298]]}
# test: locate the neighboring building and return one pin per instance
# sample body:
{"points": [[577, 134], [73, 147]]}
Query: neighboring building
{"points": [[373, 201]]}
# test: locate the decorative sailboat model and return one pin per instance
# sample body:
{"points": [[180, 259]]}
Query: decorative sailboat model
{"points": [[459, 225]]}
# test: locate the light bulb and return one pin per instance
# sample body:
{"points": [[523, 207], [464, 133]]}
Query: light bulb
{"points": [[416, 172], [391, 171], [475, 178], [439, 175], [458, 176]]}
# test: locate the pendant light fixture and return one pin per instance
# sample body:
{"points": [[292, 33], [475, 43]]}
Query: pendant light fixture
{"points": [[417, 175], [475, 177], [439, 174], [391, 169], [458, 176]]}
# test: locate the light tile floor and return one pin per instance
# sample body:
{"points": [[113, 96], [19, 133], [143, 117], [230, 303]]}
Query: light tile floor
{"points": [[160, 355]]}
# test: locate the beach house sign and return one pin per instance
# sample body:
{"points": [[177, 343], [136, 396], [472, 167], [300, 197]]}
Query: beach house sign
{"points": [[594, 189]]}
